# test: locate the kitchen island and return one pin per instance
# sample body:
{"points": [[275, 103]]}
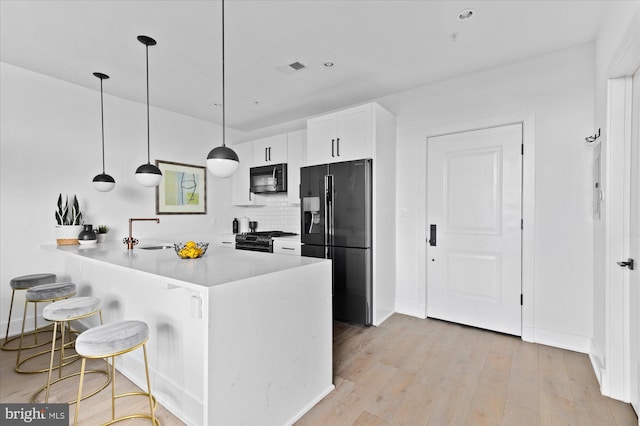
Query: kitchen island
{"points": [[236, 337]]}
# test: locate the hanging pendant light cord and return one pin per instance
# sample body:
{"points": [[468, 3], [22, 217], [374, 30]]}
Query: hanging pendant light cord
{"points": [[223, 98], [148, 137], [102, 119]]}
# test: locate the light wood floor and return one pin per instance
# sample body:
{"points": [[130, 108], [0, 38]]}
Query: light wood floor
{"points": [[427, 372], [413, 372]]}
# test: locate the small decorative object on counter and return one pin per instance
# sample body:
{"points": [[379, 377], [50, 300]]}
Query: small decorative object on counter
{"points": [[68, 221], [101, 233], [235, 225], [87, 235], [190, 249]]}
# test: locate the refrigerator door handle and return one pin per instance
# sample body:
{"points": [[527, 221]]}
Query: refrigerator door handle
{"points": [[328, 210]]}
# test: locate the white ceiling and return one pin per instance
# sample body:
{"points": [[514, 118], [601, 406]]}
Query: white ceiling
{"points": [[379, 47]]}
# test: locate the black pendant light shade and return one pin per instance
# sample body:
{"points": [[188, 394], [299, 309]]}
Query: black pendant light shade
{"points": [[222, 161], [103, 182], [148, 174]]}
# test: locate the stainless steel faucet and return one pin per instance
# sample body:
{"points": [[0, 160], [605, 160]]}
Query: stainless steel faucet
{"points": [[130, 241]]}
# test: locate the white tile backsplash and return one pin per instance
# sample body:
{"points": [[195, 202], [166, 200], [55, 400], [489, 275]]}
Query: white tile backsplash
{"points": [[276, 215]]}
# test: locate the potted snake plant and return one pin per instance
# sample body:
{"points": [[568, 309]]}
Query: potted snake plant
{"points": [[68, 221]]}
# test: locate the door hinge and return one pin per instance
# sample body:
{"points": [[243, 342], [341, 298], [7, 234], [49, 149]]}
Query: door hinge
{"points": [[521, 223], [522, 149], [521, 299]]}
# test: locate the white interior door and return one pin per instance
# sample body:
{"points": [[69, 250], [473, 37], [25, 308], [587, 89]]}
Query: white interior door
{"points": [[475, 204], [634, 247]]}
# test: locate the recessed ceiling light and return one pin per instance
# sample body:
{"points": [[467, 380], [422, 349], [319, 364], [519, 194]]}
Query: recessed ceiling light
{"points": [[328, 64], [466, 14]]}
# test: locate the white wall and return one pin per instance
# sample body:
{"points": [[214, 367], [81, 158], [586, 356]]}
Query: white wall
{"points": [[558, 90], [50, 143]]}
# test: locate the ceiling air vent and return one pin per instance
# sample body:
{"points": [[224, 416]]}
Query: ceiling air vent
{"points": [[292, 68], [297, 66]]}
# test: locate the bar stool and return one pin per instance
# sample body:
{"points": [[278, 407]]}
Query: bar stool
{"points": [[25, 282], [39, 294], [109, 341], [62, 313]]}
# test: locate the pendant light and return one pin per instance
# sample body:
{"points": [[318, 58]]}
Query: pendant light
{"points": [[103, 182], [222, 161], [148, 174]]}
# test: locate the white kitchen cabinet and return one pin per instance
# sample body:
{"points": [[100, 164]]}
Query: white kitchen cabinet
{"points": [[296, 149], [240, 194], [271, 150], [224, 240], [340, 136], [287, 246]]}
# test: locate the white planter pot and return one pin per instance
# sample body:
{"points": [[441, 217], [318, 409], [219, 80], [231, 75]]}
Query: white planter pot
{"points": [[101, 238], [67, 234]]}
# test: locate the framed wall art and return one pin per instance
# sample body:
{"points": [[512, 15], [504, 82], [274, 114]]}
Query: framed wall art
{"points": [[182, 190]]}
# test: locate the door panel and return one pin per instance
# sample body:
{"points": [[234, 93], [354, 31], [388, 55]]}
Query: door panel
{"points": [[474, 199], [312, 204], [351, 203], [352, 285]]}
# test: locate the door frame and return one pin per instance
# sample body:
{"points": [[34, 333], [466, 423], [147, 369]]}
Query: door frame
{"points": [[528, 213], [614, 375]]}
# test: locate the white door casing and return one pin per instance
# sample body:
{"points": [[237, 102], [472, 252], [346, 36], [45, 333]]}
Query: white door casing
{"points": [[634, 247], [474, 187]]}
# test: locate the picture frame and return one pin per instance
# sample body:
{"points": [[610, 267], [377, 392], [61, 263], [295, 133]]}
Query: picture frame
{"points": [[182, 190]]}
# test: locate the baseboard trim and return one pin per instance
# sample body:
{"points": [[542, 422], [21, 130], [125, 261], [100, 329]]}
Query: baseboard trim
{"points": [[562, 340], [412, 309], [310, 405]]}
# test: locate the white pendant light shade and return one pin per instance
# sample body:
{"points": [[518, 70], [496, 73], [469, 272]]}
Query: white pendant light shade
{"points": [[222, 161], [148, 175], [103, 182]]}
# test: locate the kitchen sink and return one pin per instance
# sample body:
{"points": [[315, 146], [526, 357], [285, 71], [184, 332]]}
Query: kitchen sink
{"points": [[159, 247]]}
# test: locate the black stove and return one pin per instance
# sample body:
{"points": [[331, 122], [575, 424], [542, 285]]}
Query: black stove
{"points": [[259, 241]]}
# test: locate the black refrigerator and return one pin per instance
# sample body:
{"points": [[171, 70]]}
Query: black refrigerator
{"points": [[336, 224]]}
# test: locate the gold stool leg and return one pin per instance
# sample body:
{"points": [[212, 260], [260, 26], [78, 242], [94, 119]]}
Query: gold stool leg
{"points": [[6, 335], [75, 420], [113, 388], [146, 370], [24, 319], [53, 351]]}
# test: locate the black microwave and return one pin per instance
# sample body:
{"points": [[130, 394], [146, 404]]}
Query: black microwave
{"points": [[268, 178]]}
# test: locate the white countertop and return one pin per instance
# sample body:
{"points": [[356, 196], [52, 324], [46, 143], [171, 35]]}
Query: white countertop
{"points": [[218, 265]]}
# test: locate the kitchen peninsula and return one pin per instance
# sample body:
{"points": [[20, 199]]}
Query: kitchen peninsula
{"points": [[236, 337]]}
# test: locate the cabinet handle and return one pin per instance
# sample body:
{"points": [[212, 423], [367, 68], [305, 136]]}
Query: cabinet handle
{"points": [[265, 154], [227, 242], [288, 248], [269, 153], [333, 141], [338, 147]]}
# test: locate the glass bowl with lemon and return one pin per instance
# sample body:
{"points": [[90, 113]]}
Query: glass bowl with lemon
{"points": [[190, 249]]}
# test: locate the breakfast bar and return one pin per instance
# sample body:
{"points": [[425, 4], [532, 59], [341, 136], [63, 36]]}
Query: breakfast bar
{"points": [[236, 337]]}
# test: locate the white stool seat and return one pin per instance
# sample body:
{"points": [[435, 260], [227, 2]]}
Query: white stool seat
{"points": [[107, 340], [28, 281], [77, 307], [50, 291]]}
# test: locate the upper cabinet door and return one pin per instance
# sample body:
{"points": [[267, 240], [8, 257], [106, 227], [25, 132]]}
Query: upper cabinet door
{"points": [[240, 195], [321, 137], [341, 136], [354, 130], [296, 144], [271, 150]]}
